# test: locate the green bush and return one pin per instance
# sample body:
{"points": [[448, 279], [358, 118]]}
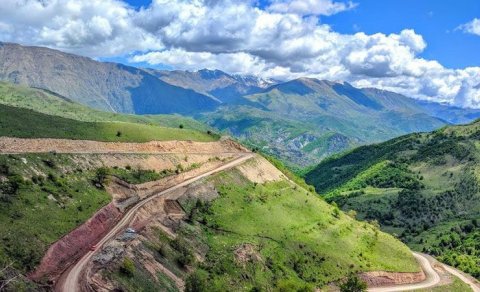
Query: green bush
{"points": [[127, 268], [101, 177], [197, 282], [353, 284]]}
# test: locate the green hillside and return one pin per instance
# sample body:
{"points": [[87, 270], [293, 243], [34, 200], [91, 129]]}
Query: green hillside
{"points": [[53, 104], [24, 123], [308, 245], [34, 113], [423, 188]]}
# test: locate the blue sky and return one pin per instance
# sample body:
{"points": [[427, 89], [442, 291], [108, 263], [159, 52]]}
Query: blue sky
{"points": [[435, 20]]}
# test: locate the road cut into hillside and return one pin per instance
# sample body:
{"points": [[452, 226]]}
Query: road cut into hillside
{"points": [[19, 145], [73, 278]]}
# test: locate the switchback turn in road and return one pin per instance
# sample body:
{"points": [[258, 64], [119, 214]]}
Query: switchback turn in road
{"points": [[432, 278]]}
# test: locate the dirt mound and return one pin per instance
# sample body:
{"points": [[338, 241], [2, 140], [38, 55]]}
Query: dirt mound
{"points": [[68, 249], [376, 279], [19, 145]]}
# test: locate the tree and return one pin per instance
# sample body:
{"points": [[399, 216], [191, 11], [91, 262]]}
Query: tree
{"points": [[181, 126], [353, 284], [101, 177], [119, 134]]}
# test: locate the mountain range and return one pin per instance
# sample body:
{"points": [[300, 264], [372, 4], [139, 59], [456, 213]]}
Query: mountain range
{"points": [[301, 121]]}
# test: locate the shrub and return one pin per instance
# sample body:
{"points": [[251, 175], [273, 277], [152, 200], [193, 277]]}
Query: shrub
{"points": [[127, 268], [196, 282], [185, 256], [101, 177], [353, 284]]}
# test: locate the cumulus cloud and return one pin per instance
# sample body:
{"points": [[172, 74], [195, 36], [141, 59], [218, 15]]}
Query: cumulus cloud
{"points": [[285, 40], [310, 7], [95, 28], [472, 27]]}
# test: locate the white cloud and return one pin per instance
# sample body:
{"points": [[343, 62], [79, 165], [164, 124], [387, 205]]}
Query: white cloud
{"points": [[95, 27], [310, 7], [181, 59], [472, 27], [284, 41]]}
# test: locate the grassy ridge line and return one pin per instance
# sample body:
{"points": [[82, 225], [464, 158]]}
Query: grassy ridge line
{"points": [[25, 123]]}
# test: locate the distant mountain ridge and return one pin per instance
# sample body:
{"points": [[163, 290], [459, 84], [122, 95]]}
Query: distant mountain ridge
{"points": [[301, 121], [222, 86], [107, 86]]}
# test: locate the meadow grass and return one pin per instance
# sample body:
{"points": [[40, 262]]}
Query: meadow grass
{"points": [[24, 123]]}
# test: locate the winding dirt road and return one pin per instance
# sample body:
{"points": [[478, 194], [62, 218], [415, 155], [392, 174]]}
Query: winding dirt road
{"points": [[432, 278], [70, 280]]}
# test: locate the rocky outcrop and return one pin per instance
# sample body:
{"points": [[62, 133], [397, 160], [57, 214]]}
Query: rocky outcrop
{"points": [[72, 246], [380, 278]]}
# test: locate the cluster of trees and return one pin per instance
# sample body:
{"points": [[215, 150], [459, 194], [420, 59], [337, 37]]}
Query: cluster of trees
{"points": [[395, 175], [459, 247]]}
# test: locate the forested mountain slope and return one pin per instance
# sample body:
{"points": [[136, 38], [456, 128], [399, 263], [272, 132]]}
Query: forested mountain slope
{"points": [[422, 187]]}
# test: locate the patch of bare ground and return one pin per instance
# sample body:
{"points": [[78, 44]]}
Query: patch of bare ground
{"points": [[247, 253], [381, 278], [72, 246]]}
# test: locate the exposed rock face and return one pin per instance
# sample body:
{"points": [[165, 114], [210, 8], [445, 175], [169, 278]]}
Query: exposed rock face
{"points": [[68, 249], [106, 86], [375, 279]]}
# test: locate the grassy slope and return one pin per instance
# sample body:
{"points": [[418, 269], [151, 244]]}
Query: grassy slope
{"points": [[422, 187], [302, 241], [52, 104], [44, 208], [25, 123]]}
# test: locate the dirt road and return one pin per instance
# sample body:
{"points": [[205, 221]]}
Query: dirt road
{"points": [[70, 281], [475, 286], [45, 145], [432, 278]]}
